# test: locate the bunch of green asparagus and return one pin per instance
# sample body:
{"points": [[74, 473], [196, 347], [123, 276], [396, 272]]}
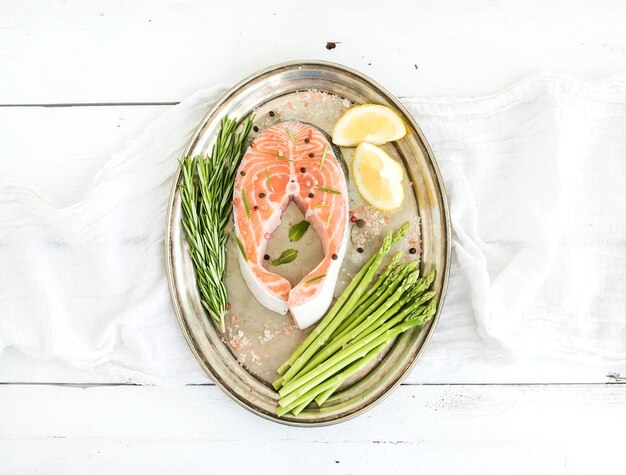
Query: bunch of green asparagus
{"points": [[359, 325]]}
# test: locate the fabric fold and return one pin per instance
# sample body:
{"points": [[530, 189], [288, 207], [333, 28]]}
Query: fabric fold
{"points": [[536, 180]]}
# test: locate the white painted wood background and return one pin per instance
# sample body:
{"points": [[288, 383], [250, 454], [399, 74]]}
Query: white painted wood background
{"points": [[78, 80]]}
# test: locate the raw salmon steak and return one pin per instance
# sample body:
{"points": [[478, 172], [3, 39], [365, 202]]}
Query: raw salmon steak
{"points": [[291, 161]]}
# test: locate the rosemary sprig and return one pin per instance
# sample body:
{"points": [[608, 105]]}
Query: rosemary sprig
{"points": [[206, 192]]}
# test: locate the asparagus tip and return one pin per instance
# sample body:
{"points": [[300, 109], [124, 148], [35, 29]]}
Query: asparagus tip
{"points": [[400, 233]]}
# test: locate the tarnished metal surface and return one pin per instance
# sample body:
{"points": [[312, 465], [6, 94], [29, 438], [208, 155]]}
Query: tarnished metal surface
{"points": [[244, 361]]}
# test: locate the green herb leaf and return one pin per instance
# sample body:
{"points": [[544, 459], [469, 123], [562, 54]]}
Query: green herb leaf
{"points": [[269, 179], [277, 155], [293, 139], [321, 205], [288, 255], [315, 278], [323, 156], [245, 202], [328, 190], [297, 230], [241, 248]]}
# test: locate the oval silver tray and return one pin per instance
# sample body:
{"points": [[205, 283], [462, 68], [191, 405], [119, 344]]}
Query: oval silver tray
{"points": [[317, 92]]}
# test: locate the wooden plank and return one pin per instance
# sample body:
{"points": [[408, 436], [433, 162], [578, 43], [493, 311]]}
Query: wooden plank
{"points": [[91, 51], [58, 150], [418, 429]]}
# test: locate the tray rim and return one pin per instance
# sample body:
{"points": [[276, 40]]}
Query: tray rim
{"points": [[446, 226]]}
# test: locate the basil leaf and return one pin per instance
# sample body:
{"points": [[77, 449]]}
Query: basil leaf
{"points": [[297, 230], [288, 255]]}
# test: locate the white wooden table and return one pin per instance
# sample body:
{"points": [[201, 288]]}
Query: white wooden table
{"points": [[78, 80]]}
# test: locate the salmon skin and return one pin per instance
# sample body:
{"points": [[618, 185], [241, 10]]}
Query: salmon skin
{"points": [[291, 161]]}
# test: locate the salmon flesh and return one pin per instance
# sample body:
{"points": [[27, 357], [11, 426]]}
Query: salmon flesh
{"points": [[291, 161]]}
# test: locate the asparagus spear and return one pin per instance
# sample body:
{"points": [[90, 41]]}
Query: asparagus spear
{"points": [[406, 270], [366, 328], [329, 383], [338, 379], [321, 336], [421, 285], [423, 309], [356, 282], [323, 356], [383, 277], [306, 395], [343, 359], [358, 278], [322, 397], [366, 306], [388, 304]]}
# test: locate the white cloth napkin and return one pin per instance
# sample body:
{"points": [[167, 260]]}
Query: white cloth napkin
{"points": [[536, 180]]}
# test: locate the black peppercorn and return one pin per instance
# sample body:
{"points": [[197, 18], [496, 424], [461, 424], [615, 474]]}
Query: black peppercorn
{"points": [[255, 128], [360, 223], [242, 173], [266, 257], [412, 250], [311, 154], [271, 113], [256, 208], [261, 195], [303, 170], [306, 140], [335, 257], [359, 249], [311, 195]]}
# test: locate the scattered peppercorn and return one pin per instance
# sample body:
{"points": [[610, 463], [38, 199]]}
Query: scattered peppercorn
{"points": [[335, 257], [256, 207], [266, 257], [242, 173], [255, 128], [261, 195], [311, 155], [353, 219], [271, 113], [306, 140], [360, 223], [303, 170], [311, 195], [331, 45], [359, 249], [412, 250]]}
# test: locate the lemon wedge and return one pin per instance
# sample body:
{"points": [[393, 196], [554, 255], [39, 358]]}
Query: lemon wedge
{"points": [[378, 177], [370, 123]]}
